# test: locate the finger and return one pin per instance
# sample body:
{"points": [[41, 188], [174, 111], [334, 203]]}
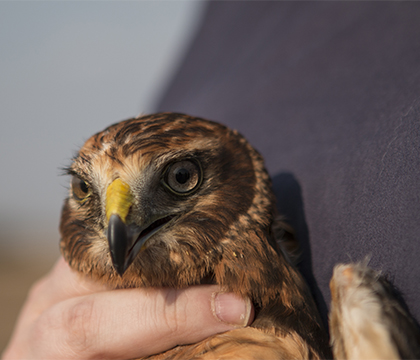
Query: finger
{"points": [[59, 284], [136, 322], [64, 282]]}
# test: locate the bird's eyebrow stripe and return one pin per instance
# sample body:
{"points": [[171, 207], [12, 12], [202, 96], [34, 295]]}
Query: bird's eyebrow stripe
{"points": [[74, 172], [76, 167]]}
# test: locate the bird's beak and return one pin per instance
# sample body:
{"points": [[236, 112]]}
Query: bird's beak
{"points": [[118, 202], [126, 240]]}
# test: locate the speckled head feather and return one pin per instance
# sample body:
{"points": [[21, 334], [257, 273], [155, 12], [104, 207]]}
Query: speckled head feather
{"points": [[219, 231]]}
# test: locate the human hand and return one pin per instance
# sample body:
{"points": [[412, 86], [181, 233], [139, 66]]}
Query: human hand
{"points": [[70, 317]]}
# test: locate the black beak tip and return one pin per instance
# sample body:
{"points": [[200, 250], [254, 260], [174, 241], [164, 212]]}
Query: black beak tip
{"points": [[118, 243], [120, 270]]}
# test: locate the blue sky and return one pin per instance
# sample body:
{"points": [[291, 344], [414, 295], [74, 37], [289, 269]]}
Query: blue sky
{"points": [[67, 70]]}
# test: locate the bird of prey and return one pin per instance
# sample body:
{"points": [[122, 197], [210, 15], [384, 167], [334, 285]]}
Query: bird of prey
{"points": [[172, 200]]}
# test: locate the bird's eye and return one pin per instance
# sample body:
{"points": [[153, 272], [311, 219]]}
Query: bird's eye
{"points": [[80, 189], [183, 177]]}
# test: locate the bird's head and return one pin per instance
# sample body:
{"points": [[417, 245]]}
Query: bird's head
{"points": [[169, 200]]}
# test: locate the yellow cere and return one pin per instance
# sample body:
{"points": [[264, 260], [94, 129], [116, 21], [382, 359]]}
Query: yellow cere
{"points": [[118, 199]]}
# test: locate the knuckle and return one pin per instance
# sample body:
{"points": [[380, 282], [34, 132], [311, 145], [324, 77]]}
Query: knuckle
{"points": [[79, 322], [175, 316], [71, 329]]}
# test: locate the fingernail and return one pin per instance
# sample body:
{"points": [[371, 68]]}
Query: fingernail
{"points": [[231, 309]]}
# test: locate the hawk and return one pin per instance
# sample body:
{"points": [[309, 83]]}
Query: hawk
{"points": [[170, 200]]}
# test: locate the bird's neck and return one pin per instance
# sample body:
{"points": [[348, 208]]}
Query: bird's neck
{"points": [[280, 295]]}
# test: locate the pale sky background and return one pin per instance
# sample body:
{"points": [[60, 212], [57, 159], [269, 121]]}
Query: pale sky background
{"points": [[67, 70]]}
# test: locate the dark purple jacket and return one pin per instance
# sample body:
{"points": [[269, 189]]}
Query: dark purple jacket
{"points": [[329, 93]]}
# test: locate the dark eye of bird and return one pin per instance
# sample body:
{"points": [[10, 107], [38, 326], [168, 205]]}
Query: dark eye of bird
{"points": [[80, 189], [183, 177]]}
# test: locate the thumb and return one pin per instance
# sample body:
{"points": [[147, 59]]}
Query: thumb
{"points": [[201, 311]]}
